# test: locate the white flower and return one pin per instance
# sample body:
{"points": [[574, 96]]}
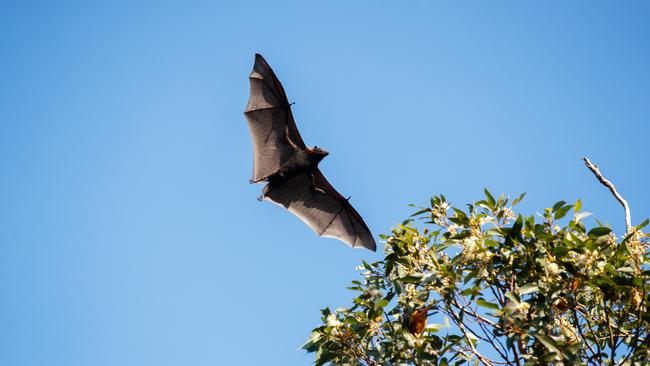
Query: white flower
{"points": [[332, 321], [470, 247], [522, 307]]}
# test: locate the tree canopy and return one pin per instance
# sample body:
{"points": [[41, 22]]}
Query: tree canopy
{"points": [[486, 286]]}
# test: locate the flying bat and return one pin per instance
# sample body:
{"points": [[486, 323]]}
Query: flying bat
{"points": [[290, 168]]}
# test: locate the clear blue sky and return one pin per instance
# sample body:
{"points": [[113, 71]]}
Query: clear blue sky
{"points": [[129, 234]]}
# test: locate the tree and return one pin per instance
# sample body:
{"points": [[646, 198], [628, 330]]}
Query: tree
{"points": [[485, 286]]}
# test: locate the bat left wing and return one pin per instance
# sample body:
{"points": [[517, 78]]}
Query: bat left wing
{"points": [[268, 112], [311, 198]]}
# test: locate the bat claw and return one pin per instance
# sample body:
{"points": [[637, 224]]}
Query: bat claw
{"points": [[250, 181]]}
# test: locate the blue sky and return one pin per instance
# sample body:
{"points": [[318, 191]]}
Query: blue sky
{"points": [[129, 232]]}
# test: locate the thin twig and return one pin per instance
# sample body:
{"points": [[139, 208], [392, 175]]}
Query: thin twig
{"points": [[633, 344], [594, 169], [481, 321], [479, 356], [586, 315], [612, 342], [389, 322], [584, 339], [485, 361]]}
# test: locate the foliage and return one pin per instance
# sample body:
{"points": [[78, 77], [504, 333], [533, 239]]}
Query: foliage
{"points": [[484, 286]]}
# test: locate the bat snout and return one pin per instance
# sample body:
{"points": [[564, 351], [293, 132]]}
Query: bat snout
{"points": [[321, 154], [317, 151]]}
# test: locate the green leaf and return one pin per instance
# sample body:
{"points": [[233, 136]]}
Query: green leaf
{"points": [[502, 200], [558, 204], [562, 211], [459, 221], [581, 215], [626, 269], [518, 199], [472, 274], [642, 225], [548, 342], [437, 327], [486, 304], [323, 356], [420, 212], [490, 198], [528, 288], [366, 265], [599, 231], [313, 341], [325, 312], [380, 304], [412, 278], [512, 296], [577, 206], [561, 250]]}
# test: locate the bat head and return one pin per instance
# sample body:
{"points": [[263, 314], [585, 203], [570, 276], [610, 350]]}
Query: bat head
{"points": [[316, 153]]}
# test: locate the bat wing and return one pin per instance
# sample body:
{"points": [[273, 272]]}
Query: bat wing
{"points": [[274, 132], [325, 211]]}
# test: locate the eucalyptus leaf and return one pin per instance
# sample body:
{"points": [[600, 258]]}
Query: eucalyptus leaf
{"points": [[486, 304], [528, 288]]}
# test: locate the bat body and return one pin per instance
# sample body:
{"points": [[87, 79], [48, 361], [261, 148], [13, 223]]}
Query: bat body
{"points": [[290, 168], [417, 321]]}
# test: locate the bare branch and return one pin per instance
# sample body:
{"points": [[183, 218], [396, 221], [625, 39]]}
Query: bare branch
{"points": [[579, 327], [594, 169], [485, 361]]}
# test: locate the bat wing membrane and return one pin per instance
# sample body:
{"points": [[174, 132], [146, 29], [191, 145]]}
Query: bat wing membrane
{"points": [[364, 237], [326, 214], [271, 148], [270, 122]]}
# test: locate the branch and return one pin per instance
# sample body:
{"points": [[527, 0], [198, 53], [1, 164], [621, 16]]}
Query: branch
{"points": [[478, 355], [594, 169], [389, 322], [612, 342], [584, 339], [586, 314], [361, 355], [633, 344]]}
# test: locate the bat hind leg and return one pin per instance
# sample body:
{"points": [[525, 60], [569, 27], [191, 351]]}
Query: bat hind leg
{"points": [[265, 191]]}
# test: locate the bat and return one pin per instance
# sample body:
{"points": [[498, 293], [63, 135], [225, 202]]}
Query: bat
{"points": [[290, 168], [417, 321]]}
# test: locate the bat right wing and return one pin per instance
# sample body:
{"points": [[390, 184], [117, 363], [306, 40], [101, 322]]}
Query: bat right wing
{"points": [[326, 214], [274, 132]]}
